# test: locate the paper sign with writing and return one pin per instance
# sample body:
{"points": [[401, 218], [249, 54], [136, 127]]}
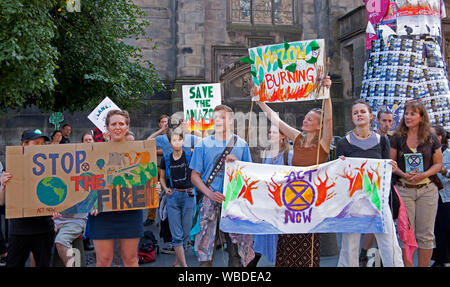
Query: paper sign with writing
{"points": [[98, 115], [78, 178], [339, 196], [288, 72], [199, 102]]}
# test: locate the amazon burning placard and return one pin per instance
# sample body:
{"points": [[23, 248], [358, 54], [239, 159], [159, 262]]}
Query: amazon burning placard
{"points": [[79, 178], [288, 72]]}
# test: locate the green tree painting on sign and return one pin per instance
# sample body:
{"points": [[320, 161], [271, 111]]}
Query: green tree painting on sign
{"points": [[56, 118], [61, 60]]}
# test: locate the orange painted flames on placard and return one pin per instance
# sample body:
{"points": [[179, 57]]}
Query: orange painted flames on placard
{"points": [[322, 190], [275, 192], [285, 94], [356, 181], [199, 125], [247, 188]]}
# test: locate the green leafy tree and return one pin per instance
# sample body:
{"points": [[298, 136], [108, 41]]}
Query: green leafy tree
{"points": [[27, 56], [72, 60]]}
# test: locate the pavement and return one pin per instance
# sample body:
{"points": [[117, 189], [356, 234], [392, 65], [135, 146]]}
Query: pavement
{"points": [[220, 258], [167, 260]]}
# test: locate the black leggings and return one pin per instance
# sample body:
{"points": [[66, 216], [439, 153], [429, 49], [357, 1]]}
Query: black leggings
{"points": [[3, 248], [20, 246]]}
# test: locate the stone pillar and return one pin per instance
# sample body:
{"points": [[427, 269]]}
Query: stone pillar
{"points": [[191, 39]]}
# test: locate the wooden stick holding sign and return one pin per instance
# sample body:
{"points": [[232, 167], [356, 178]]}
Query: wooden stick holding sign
{"points": [[318, 149]]}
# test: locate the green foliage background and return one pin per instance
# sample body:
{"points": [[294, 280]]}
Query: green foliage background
{"points": [[59, 60]]}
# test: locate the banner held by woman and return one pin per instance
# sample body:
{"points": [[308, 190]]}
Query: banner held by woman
{"points": [[339, 196]]}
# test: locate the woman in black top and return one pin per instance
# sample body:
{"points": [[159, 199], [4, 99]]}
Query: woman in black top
{"points": [[362, 142], [176, 183]]}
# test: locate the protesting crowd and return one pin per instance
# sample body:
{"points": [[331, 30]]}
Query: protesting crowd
{"points": [[191, 177]]}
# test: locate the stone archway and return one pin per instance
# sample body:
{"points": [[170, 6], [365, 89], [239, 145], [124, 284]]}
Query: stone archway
{"points": [[236, 81], [236, 86]]}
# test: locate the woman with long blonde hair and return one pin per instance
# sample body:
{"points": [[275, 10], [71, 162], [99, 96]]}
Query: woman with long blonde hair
{"points": [[279, 152], [303, 250]]}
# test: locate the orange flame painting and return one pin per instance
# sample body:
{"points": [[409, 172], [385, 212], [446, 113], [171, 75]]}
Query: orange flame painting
{"points": [[247, 188], [275, 192], [322, 190]]}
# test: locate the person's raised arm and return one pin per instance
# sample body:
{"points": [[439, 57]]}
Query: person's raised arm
{"points": [[327, 125], [158, 133], [273, 117]]}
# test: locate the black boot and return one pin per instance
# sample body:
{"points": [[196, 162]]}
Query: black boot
{"points": [[87, 244]]}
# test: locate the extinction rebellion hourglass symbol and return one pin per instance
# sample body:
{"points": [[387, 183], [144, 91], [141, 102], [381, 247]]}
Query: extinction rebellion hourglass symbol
{"points": [[298, 197], [414, 161]]}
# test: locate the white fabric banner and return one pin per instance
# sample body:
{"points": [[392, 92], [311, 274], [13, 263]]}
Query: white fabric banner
{"points": [[348, 196]]}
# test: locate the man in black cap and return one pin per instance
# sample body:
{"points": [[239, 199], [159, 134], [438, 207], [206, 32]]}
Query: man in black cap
{"points": [[34, 137], [33, 234]]}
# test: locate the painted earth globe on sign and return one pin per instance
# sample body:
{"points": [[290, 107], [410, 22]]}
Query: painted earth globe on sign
{"points": [[51, 191]]}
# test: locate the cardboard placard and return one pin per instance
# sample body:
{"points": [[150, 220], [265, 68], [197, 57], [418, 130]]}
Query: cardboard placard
{"points": [[199, 102], [288, 72], [78, 178]]}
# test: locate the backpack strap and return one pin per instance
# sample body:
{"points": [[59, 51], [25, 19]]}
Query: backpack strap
{"points": [[221, 160], [188, 156], [167, 163]]}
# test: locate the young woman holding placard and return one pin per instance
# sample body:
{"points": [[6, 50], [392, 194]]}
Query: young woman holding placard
{"points": [[126, 226], [362, 142], [311, 147]]}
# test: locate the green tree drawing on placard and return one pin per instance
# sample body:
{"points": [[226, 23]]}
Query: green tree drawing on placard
{"points": [[233, 189], [55, 119]]}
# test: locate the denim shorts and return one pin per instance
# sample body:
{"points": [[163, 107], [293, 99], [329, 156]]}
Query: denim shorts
{"points": [[67, 233], [180, 211]]}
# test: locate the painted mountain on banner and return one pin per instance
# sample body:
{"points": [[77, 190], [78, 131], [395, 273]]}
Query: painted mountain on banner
{"points": [[360, 213], [359, 207]]}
